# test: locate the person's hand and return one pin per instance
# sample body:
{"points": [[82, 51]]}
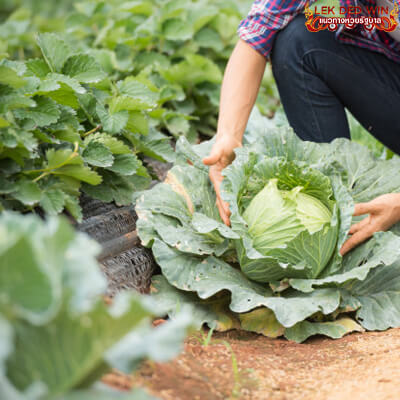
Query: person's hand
{"points": [[221, 156], [383, 212]]}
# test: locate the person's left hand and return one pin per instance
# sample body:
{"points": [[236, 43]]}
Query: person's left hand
{"points": [[383, 212]]}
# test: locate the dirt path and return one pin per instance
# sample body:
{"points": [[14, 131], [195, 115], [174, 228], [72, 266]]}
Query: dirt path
{"points": [[357, 367]]}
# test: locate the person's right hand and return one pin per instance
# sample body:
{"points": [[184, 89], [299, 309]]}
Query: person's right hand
{"points": [[221, 156]]}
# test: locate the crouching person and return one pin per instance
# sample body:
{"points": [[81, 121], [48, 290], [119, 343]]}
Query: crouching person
{"points": [[318, 75]]}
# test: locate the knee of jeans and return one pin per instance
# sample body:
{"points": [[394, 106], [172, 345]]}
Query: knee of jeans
{"points": [[290, 45]]}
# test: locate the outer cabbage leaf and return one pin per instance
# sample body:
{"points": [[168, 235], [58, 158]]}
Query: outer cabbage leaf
{"points": [[47, 256], [261, 320], [273, 141], [213, 311], [40, 354], [379, 298], [333, 329], [382, 249], [181, 211], [210, 276], [365, 176]]}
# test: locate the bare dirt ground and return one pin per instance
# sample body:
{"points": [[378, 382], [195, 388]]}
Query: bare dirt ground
{"points": [[360, 366]]}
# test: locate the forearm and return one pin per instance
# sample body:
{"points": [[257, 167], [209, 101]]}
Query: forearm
{"points": [[241, 83]]}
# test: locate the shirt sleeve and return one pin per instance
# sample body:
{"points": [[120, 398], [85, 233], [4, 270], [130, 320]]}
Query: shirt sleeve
{"points": [[265, 19]]}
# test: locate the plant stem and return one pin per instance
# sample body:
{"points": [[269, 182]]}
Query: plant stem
{"points": [[209, 336], [98, 127], [235, 370], [88, 116], [42, 175], [47, 171]]}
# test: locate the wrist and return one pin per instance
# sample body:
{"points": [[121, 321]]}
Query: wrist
{"points": [[229, 136]]}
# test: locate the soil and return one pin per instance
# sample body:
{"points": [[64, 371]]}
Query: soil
{"points": [[360, 366]]}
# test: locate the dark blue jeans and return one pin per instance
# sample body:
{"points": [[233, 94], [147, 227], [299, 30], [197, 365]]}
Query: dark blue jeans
{"points": [[317, 77]]}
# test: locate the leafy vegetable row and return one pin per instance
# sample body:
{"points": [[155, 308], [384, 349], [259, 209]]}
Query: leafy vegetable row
{"points": [[78, 108], [66, 126]]}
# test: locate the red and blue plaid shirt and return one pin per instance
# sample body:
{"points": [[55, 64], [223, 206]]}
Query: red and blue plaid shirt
{"points": [[267, 17]]}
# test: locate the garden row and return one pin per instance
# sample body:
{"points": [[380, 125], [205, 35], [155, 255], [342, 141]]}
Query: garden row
{"points": [[81, 108]]}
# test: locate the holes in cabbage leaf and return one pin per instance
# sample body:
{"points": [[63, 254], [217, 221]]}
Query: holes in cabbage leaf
{"points": [[362, 262]]}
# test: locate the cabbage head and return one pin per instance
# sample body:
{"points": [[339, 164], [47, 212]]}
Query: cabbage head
{"points": [[280, 224], [277, 269]]}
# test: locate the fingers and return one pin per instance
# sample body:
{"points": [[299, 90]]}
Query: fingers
{"points": [[364, 208], [359, 237], [227, 211], [216, 179], [359, 233], [360, 225], [363, 230], [214, 157], [222, 212], [223, 207]]}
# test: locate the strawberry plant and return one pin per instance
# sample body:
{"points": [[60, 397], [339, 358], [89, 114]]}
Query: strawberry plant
{"points": [[80, 108], [66, 126], [182, 45]]}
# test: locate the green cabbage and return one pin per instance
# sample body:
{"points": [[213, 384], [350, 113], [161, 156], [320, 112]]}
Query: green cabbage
{"points": [[277, 269], [275, 218]]}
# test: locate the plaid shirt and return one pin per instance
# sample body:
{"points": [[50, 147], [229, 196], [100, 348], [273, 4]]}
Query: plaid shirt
{"points": [[267, 17]]}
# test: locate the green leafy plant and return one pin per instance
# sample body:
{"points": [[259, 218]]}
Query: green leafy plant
{"points": [[180, 45], [114, 85], [58, 337], [296, 287], [65, 126]]}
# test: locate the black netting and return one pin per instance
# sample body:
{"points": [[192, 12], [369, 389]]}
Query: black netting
{"points": [[131, 269], [110, 225], [92, 207]]}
